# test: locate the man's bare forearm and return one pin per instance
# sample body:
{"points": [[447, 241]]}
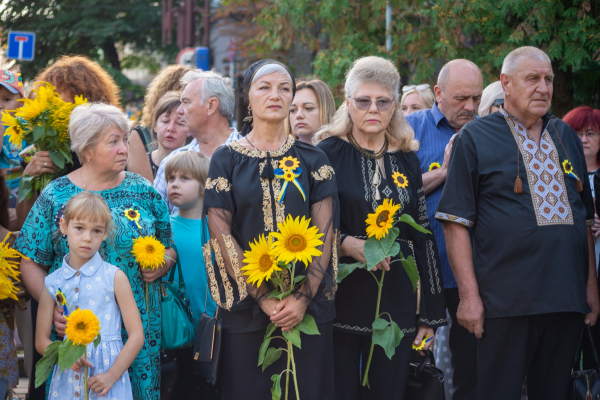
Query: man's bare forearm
{"points": [[434, 179], [460, 255]]}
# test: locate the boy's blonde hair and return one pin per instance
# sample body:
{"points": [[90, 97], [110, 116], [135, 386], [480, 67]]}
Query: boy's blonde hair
{"points": [[88, 206], [190, 163]]}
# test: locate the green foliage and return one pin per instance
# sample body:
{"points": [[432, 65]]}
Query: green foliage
{"points": [[276, 389], [68, 353], [44, 367], [293, 336], [387, 335], [346, 269], [271, 356], [378, 250], [308, 325], [410, 267]]}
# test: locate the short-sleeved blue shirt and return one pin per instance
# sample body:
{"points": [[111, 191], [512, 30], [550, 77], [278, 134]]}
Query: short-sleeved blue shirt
{"points": [[433, 131]]}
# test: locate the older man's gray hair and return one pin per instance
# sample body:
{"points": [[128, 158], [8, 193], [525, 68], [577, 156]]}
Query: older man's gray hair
{"points": [[214, 85], [89, 123], [511, 62]]}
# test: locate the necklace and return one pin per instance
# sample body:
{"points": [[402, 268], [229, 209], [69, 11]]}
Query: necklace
{"points": [[373, 156], [252, 144], [81, 177]]}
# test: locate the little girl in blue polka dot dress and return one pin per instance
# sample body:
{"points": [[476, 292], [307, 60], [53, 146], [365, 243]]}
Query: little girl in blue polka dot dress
{"points": [[85, 281]]}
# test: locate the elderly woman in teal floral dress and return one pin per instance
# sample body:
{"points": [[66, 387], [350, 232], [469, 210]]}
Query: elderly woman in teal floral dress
{"points": [[99, 137]]}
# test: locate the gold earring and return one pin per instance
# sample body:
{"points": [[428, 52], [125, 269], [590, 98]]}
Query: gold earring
{"points": [[249, 110]]}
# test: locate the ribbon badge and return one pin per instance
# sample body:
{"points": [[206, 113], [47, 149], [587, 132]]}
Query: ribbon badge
{"points": [[289, 170], [568, 168], [133, 216], [61, 299]]}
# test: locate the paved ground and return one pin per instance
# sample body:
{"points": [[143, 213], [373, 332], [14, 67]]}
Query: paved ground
{"points": [[21, 390]]}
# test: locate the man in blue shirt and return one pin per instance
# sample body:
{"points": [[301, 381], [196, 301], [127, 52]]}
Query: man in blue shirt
{"points": [[458, 93]]}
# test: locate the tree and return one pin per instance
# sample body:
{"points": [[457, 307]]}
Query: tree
{"points": [[428, 33], [95, 28]]}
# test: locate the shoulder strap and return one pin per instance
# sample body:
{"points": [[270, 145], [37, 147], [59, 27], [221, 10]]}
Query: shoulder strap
{"points": [[594, 352], [178, 267]]}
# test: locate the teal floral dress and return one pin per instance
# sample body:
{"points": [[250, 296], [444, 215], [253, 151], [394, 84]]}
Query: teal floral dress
{"points": [[137, 210]]}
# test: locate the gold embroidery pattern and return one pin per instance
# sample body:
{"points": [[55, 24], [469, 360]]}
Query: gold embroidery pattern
{"points": [[544, 175], [263, 154], [454, 218], [432, 267], [268, 202], [334, 256], [212, 280], [235, 264], [221, 184], [224, 277], [324, 173]]}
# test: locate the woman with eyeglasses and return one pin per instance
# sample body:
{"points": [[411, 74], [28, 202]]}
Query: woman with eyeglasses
{"points": [[416, 98], [492, 99], [372, 151]]}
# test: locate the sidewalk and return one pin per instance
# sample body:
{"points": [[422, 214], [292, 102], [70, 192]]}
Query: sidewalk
{"points": [[21, 391]]}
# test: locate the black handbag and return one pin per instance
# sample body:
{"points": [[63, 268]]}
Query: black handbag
{"points": [[425, 381], [207, 347], [585, 385]]}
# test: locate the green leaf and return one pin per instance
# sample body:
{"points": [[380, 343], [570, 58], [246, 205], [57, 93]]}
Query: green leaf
{"points": [[97, 341], [387, 242], [387, 335], [276, 389], [407, 219], [346, 269], [57, 159], [68, 353], [299, 279], [38, 132], [67, 155], [25, 187], [271, 356], [375, 252], [273, 293], [270, 329], [44, 367], [14, 175], [263, 350], [308, 325], [411, 270], [293, 336]]}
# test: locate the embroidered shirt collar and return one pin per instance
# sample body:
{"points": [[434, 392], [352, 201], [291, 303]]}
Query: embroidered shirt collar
{"points": [[88, 269]]}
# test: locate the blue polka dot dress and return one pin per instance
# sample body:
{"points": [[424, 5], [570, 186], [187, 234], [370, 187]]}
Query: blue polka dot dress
{"points": [[91, 287]]}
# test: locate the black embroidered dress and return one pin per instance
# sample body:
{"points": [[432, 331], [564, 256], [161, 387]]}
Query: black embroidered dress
{"points": [[357, 294], [241, 205]]}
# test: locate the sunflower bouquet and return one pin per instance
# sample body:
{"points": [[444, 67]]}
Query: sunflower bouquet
{"points": [[148, 252], [276, 260], [380, 245], [9, 270], [43, 122], [83, 328]]}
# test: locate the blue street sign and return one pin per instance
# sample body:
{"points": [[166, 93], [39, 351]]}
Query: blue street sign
{"points": [[203, 58], [21, 45]]}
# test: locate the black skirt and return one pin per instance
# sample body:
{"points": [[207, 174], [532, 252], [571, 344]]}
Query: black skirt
{"points": [[241, 378]]}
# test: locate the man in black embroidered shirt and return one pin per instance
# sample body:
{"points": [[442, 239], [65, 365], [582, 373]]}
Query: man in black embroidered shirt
{"points": [[528, 282]]}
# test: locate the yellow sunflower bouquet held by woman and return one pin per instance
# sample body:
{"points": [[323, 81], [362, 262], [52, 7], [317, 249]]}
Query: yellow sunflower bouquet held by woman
{"points": [[43, 122], [83, 328], [274, 262], [380, 245], [150, 254]]}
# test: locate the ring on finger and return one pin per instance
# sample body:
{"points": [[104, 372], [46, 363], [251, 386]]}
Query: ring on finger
{"points": [[45, 164]]}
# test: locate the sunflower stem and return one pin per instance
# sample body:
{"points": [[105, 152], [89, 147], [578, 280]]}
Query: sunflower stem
{"points": [[291, 354], [380, 286], [85, 377], [287, 374]]}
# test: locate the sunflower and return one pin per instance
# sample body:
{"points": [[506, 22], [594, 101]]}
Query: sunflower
{"points": [[133, 215], [260, 263], [15, 136], [33, 108], [148, 252], [567, 167], [400, 179], [296, 241], [380, 222], [289, 163], [434, 165], [9, 269], [82, 327]]}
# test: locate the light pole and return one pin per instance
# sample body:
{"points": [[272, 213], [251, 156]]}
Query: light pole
{"points": [[388, 26]]}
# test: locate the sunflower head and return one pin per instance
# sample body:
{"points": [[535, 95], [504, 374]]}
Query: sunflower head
{"points": [[380, 222], [400, 179], [434, 165], [132, 214], [82, 327], [289, 163], [260, 262], [296, 241], [567, 166], [148, 252]]}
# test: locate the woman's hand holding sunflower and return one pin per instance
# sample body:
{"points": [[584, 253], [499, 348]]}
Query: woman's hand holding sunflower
{"points": [[289, 312]]}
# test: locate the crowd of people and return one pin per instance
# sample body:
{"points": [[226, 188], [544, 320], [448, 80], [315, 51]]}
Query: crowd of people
{"points": [[508, 271]]}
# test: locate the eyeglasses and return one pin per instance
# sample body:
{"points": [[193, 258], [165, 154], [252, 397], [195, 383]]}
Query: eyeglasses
{"points": [[498, 103], [420, 88], [589, 134], [364, 103]]}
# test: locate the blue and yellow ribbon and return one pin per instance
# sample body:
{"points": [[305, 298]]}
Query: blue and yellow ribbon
{"points": [[568, 168], [289, 176], [61, 299]]}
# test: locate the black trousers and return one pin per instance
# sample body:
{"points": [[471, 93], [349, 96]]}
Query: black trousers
{"points": [[463, 346], [541, 347], [387, 378]]}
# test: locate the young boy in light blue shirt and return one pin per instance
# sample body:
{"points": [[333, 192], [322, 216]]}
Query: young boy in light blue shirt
{"points": [[186, 174]]}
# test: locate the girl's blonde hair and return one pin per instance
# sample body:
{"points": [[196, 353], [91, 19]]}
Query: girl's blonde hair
{"points": [[426, 96], [88, 206], [324, 98], [382, 72], [190, 163]]}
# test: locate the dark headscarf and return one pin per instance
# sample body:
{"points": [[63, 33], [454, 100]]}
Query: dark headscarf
{"points": [[250, 72]]}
